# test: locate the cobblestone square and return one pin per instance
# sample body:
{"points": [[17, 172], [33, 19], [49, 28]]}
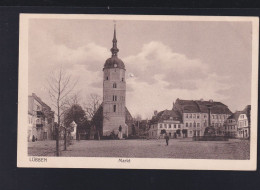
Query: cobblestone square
{"points": [[178, 148]]}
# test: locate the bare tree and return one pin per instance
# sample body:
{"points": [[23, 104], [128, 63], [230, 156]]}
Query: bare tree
{"points": [[60, 87], [92, 105]]}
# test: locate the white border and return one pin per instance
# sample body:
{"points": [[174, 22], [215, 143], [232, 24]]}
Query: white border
{"points": [[135, 163]]}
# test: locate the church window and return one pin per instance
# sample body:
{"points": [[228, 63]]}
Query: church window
{"points": [[114, 108], [114, 85]]}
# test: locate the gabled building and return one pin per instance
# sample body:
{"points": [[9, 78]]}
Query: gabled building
{"points": [[238, 124], [168, 121], [40, 119], [195, 115]]}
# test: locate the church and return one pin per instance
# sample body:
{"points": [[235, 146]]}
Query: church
{"points": [[113, 117]]}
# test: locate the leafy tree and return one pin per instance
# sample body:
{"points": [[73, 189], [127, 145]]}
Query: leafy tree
{"points": [[77, 114]]}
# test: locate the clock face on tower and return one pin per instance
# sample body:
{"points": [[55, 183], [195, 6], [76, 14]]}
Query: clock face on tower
{"points": [[115, 65]]}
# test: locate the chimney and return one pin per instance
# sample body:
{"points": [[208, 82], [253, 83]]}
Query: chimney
{"points": [[155, 112]]}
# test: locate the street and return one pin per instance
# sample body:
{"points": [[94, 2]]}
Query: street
{"points": [[178, 148]]}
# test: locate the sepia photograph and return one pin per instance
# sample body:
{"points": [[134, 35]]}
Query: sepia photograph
{"points": [[138, 92]]}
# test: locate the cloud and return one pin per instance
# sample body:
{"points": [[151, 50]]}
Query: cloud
{"points": [[176, 69]]}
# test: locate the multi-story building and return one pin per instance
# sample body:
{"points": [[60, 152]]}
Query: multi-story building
{"points": [[195, 115], [112, 115], [168, 121], [238, 125], [40, 119]]}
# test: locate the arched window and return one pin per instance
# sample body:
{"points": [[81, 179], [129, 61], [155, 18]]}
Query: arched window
{"points": [[114, 85], [114, 108]]}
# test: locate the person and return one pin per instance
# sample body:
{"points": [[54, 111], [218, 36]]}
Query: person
{"points": [[167, 139]]}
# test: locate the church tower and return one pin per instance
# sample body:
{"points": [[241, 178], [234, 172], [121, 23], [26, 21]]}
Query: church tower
{"points": [[114, 93]]}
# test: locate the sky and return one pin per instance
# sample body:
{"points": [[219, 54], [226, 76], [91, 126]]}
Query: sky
{"points": [[164, 60]]}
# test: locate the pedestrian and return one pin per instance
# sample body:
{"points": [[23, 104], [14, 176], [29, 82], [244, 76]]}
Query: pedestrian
{"points": [[167, 139]]}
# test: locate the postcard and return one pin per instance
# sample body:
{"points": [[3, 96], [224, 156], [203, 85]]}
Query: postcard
{"points": [[138, 92]]}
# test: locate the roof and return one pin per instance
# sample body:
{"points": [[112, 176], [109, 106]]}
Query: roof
{"points": [[236, 115], [166, 115], [98, 116], [114, 62], [201, 106], [38, 99]]}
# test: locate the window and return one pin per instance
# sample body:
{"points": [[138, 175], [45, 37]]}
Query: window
{"points": [[165, 125], [107, 78], [122, 79], [205, 116], [114, 85], [187, 125], [194, 115], [194, 124], [114, 108], [170, 126], [179, 126], [190, 115], [198, 124], [175, 126], [160, 125], [190, 124], [187, 116], [114, 98], [198, 116]]}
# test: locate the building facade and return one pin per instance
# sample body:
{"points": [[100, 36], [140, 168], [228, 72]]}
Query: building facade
{"points": [[112, 117], [238, 125], [195, 115], [114, 93], [168, 121], [40, 119]]}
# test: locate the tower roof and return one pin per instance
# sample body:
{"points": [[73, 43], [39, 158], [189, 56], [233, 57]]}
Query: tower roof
{"points": [[114, 61]]}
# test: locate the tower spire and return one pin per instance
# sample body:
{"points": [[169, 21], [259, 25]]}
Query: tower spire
{"points": [[114, 49]]}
